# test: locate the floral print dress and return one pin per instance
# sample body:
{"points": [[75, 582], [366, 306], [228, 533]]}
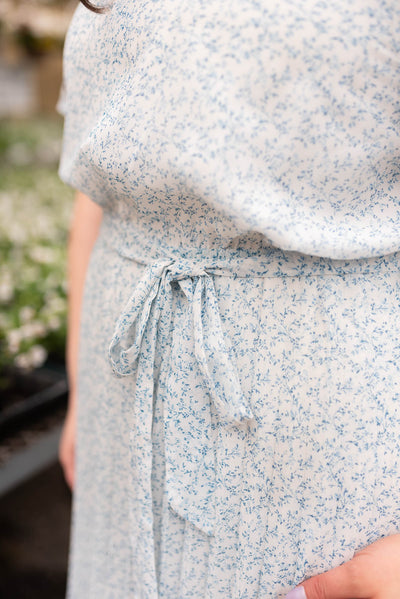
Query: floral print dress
{"points": [[238, 375]]}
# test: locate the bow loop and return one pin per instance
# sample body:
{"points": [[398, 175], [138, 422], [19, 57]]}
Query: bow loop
{"points": [[126, 343]]}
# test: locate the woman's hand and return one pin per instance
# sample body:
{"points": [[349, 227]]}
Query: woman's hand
{"points": [[373, 573], [66, 448]]}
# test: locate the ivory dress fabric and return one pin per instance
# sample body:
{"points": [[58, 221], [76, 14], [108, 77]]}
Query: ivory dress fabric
{"points": [[238, 382]]}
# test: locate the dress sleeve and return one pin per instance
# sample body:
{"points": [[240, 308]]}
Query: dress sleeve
{"points": [[81, 101], [68, 107], [69, 163], [62, 100]]}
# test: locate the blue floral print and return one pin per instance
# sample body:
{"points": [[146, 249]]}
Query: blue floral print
{"points": [[238, 375]]}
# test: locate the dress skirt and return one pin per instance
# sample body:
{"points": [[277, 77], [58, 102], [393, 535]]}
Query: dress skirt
{"points": [[238, 418]]}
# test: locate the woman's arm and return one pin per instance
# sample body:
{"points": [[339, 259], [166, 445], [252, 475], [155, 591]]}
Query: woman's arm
{"points": [[85, 224], [84, 229]]}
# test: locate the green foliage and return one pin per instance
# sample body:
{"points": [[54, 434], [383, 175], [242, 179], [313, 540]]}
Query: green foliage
{"points": [[35, 212]]}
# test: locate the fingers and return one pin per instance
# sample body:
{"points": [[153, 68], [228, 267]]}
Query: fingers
{"points": [[69, 472], [348, 581], [66, 457], [373, 573], [67, 465], [343, 582], [66, 448]]}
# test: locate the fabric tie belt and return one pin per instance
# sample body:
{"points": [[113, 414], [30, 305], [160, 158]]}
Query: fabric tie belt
{"points": [[170, 338], [175, 299]]}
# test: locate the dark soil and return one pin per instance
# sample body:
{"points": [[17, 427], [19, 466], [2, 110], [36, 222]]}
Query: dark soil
{"points": [[30, 402]]}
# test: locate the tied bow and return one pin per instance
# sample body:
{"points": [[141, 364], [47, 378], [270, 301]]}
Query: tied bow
{"points": [[176, 300]]}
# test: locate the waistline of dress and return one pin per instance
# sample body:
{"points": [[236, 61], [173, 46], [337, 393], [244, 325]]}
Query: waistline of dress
{"points": [[175, 294], [132, 243]]}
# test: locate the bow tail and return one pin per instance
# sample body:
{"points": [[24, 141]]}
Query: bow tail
{"points": [[190, 430], [203, 394], [140, 445], [215, 356]]}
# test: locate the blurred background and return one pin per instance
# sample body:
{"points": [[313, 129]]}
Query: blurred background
{"points": [[35, 212]]}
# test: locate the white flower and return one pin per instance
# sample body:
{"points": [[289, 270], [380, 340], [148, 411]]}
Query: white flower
{"points": [[14, 338], [33, 358], [56, 304], [6, 285], [33, 329], [29, 330], [26, 313], [42, 254], [6, 291], [13, 348], [44, 226], [54, 323], [37, 355], [23, 361]]}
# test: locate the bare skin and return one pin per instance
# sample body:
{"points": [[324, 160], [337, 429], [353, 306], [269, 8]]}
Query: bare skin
{"points": [[373, 573], [85, 224]]}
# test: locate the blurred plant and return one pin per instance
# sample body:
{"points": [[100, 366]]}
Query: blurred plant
{"points": [[36, 44], [35, 211], [38, 26]]}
